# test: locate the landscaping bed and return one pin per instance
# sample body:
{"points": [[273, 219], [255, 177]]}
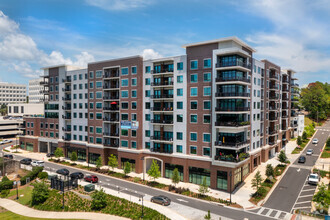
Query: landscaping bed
{"points": [[262, 192], [298, 149]]}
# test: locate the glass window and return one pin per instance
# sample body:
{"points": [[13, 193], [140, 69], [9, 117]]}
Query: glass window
{"points": [[193, 136], [91, 74], [207, 91], [179, 135], [148, 69], [193, 150], [134, 82], [98, 115], [147, 117], [193, 64], [133, 105], [98, 84], [207, 138], [193, 78], [207, 105], [179, 148], [179, 92], [98, 95], [179, 105], [193, 105], [133, 69], [98, 74], [124, 94], [124, 143], [207, 77], [133, 144], [179, 79], [147, 133], [193, 118], [193, 91], [124, 71], [222, 180], [180, 66], [91, 85], [207, 63], [207, 119], [179, 118], [124, 117], [99, 105], [134, 94], [147, 81], [147, 93], [124, 82], [124, 132], [124, 105], [98, 130]]}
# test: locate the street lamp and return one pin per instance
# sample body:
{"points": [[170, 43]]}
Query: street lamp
{"points": [[230, 175], [143, 167], [88, 156], [17, 190], [142, 215]]}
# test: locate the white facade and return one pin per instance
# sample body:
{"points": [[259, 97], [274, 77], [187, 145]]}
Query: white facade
{"points": [[12, 93], [25, 109], [35, 95]]}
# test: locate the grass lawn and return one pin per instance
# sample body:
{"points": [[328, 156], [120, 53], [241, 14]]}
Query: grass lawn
{"points": [[26, 191], [308, 121]]}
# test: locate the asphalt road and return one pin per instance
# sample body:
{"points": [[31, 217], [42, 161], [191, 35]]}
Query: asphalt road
{"points": [[141, 189], [286, 194]]}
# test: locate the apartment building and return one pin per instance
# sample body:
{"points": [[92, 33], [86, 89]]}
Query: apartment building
{"points": [[214, 113], [35, 91], [12, 93]]}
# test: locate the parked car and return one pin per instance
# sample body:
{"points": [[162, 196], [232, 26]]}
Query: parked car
{"points": [[38, 163], [315, 141], [6, 141], [8, 156], [302, 159], [313, 179], [26, 161], [309, 152], [50, 155], [63, 171], [91, 178], [77, 175], [163, 200]]}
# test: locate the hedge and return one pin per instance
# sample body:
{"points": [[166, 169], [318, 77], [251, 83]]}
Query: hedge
{"points": [[32, 174]]}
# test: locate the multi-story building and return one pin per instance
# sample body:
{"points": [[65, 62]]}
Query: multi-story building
{"points": [[25, 109], [214, 113], [35, 91], [12, 93]]}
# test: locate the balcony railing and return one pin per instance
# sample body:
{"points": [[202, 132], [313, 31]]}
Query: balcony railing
{"points": [[161, 109], [273, 87], [233, 63], [111, 119], [231, 158], [161, 121], [158, 138], [273, 97], [165, 83], [273, 76], [110, 97], [285, 80], [161, 151], [42, 83], [285, 116], [66, 117], [66, 80], [66, 129], [105, 86], [111, 108], [273, 118], [272, 132], [237, 109], [285, 107], [231, 144], [164, 96], [66, 98], [66, 89], [273, 108], [295, 84], [111, 144], [111, 134], [285, 98], [109, 75], [242, 79], [164, 70], [66, 108], [232, 123], [232, 94]]}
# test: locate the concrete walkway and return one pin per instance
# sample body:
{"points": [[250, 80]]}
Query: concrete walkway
{"points": [[19, 209]]}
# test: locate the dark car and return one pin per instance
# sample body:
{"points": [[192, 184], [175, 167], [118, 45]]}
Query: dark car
{"points": [[163, 200], [302, 159], [26, 161], [77, 175], [8, 156], [63, 171], [91, 178], [50, 155]]}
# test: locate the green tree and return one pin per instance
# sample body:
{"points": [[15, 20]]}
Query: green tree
{"points": [[40, 193], [304, 135], [269, 170], [208, 215], [3, 110], [99, 200], [59, 153], [256, 181], [282, 157], [74, 156], [154, 171], [203, 188], [98, 163], [175, 176], [113, 161], [322, 197], [299, 141], [328, 142], [127, 168]]}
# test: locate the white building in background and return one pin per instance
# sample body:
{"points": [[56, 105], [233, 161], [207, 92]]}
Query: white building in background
{"points": [[12, 93], [25, 109], [35, 94]]}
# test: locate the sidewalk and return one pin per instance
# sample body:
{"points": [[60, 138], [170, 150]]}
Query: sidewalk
{"points": [[17, 208]]}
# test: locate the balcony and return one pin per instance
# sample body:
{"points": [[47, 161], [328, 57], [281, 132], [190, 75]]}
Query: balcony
{"points": [[285, 116], [67, 80], [271, 86], [272, 132], [273, 76], [169, 109], [44, 91], [66, 98], [66, 89], [66, 117], [109, 134], [273, 118], [113, 144], [233, 63], [274, 97], [43, 83], [240, 79], [158, 138], [113, 86], [285, 98], [231, 123], [231, 158], [168, 122], [111, 75], [66, 108], [163, 83], [273, 108], [110, 97], [285, 90], [233, 94], [285, 80], [111, 108], [237, 109], [232, 144], [162, 71], [66, 129], [294, 84], [166, 151], [163, 96], [285, 107], [107, 119]]}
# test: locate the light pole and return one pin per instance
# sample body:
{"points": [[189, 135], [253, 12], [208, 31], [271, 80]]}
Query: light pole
{"points": [[17, 190], [143, 166], [142, 215], [88, 156], [230, 175]]}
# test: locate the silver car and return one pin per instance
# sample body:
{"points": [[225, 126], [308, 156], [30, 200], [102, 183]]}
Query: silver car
{"points": [[309, 152], [315, 141]]}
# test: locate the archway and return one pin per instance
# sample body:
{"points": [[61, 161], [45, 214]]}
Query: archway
{"points": [[148, 161]]}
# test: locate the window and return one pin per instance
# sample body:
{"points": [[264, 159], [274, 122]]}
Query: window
{"points": [[74, 77], [124, 132], [193, 105], [98, 74], [124, 105], [179, 118], [193, 150], [179, 135], [148, 69], [124, 117], [193, 136], [179, 148], [207, 138], [134, 82], [207, 105], [99, 105], [91, 129], [124, 82], [207, 91], [124, 71], [91, 74], [147, 93], [133, 69], [91, 85], [98, 115], [179, 105], [193, 64], [134, 94], [133, 105], [147, 105], [193, 78], [147, 81], [98, 84], [179, 79], [124, 143], [134, 117], [98, 95], [207, 63], [98, 130], [207, 77], [206, 151], [193, 91], [124, 94], [133, 144], [98, 140], [207, 119], [193, 118], [179, 92], [147, 117], [147, 133], [180, 66], [91, 95]]}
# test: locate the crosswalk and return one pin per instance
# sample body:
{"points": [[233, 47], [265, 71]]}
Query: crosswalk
{"points": [[272, 213]]}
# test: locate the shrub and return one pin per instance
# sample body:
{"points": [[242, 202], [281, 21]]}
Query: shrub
{"points": [[304, 135], [269, 170], [43, 175], [4, 179], [175, 177], [127, 168], [74, 156], [299, 141], [98, 163], [4, 193], [99, 200], [40, 193], [32, 175]]}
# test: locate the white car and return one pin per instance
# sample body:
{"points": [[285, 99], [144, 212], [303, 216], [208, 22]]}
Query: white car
{"points": [[6, 141], [38, 163], [313, 179], [315, 141], [309, 152]]}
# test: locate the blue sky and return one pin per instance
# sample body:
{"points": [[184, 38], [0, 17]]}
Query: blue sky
{"points": [[36, 33]]}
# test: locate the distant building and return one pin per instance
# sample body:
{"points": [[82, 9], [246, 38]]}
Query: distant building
{"points": [[35, 91], [10, 127], [25, 109], [12, 93]]}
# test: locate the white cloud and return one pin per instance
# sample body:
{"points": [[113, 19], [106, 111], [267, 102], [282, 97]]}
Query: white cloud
{"points": [[150, 54], [119, 5], [7, 25], [83, 59], [25, 69]]}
